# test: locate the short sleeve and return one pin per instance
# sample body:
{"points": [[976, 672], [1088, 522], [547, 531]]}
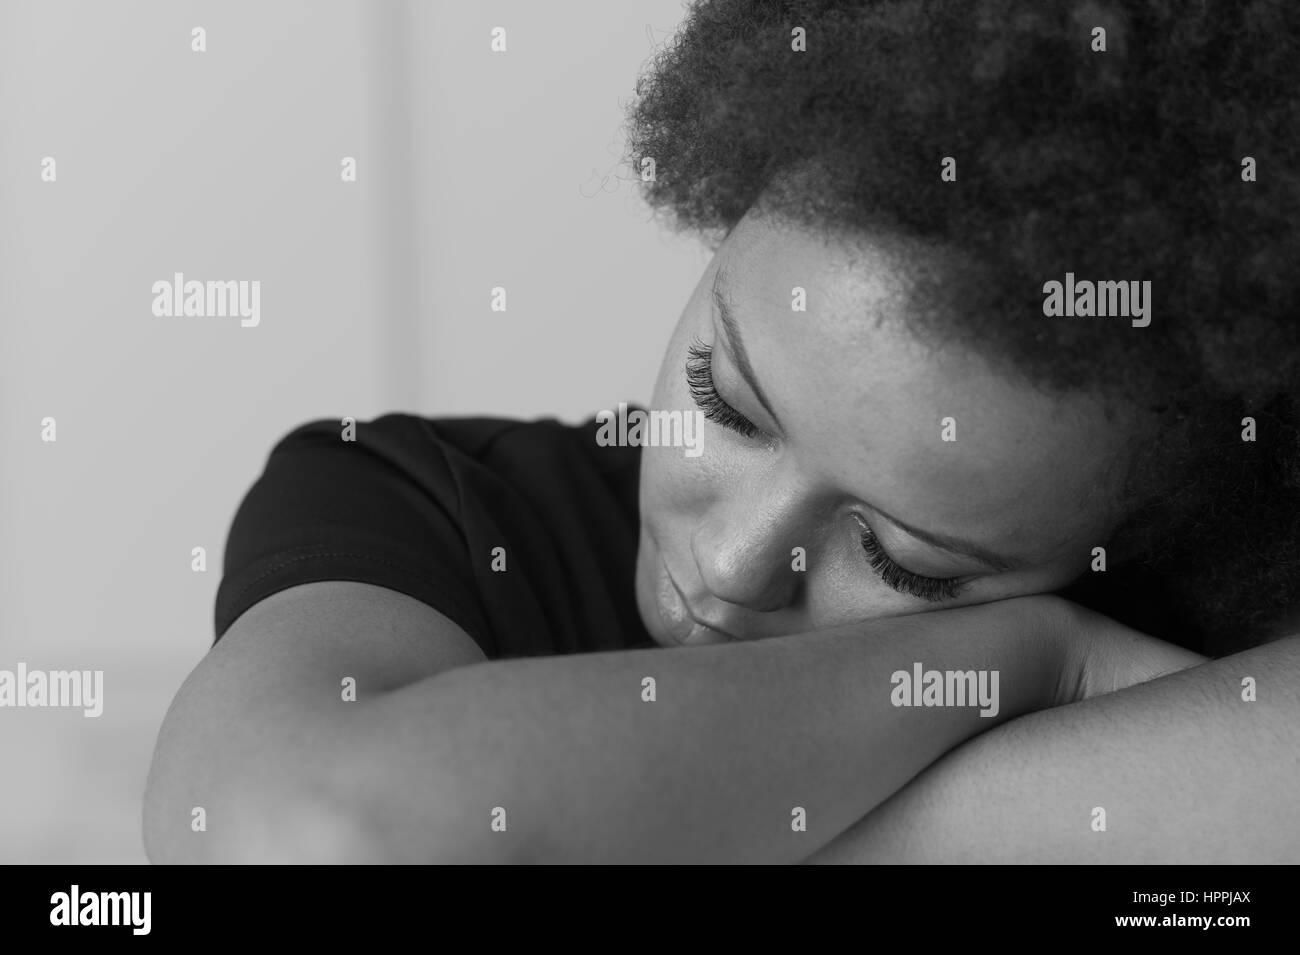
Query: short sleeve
{"points": [[379, 509]]}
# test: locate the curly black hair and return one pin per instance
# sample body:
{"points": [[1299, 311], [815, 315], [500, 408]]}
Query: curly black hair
{"points": [[1123, 163]]}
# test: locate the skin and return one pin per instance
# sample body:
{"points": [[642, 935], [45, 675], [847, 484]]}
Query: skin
{"points": [[853, 434]]}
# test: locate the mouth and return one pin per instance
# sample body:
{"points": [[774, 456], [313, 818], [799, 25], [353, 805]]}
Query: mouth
{"points": [[681, 623]]}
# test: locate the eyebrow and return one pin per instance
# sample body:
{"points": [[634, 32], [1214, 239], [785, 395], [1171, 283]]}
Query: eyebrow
{"points": [[722, 280]]}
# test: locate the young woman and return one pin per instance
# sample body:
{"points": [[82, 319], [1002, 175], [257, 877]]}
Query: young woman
{"points": [[998, 362]]}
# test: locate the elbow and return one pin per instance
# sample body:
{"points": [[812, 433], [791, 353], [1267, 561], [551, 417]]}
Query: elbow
{"points": [[322, 789], [201, 809], [223, 814], [251, 823]]}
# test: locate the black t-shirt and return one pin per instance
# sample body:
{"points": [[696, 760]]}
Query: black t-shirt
{"points": [[523, 533]]}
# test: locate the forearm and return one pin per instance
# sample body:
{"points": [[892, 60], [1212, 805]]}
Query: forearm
{"points": [[1186, 770], [739, 735]]}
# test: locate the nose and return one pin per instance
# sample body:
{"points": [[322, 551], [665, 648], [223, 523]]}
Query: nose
{"points": [[743, 547]]}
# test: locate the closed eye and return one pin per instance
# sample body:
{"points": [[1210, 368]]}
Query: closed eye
{"points": [[699, 379], [899, 578]]}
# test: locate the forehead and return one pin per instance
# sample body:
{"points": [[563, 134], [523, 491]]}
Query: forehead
{"points": [[864, 401]]}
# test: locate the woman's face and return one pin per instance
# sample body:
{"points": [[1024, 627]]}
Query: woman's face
{"points": [[849, 411]]}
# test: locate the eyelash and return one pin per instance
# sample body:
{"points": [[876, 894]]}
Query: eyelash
{"points": [[904, 581], [699, 380]]}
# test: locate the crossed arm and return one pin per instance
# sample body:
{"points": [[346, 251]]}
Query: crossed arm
{"points": [[576, 764], [1185, 768]]}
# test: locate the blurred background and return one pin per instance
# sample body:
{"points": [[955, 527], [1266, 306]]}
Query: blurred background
{"points": [[475, 169]]}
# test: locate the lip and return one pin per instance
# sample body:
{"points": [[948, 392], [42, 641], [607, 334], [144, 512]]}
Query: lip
{"points": [[684, 625]]}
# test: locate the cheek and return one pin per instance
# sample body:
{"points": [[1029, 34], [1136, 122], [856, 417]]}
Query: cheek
{"points": [[672, 494]]}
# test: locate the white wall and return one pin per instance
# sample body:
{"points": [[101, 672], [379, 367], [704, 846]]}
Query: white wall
{"points": [[517, 159], [225, 165]]}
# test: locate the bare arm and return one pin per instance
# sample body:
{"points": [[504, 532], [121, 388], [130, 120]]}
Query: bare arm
{"points": [[1186, 770], [584, 767]]}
